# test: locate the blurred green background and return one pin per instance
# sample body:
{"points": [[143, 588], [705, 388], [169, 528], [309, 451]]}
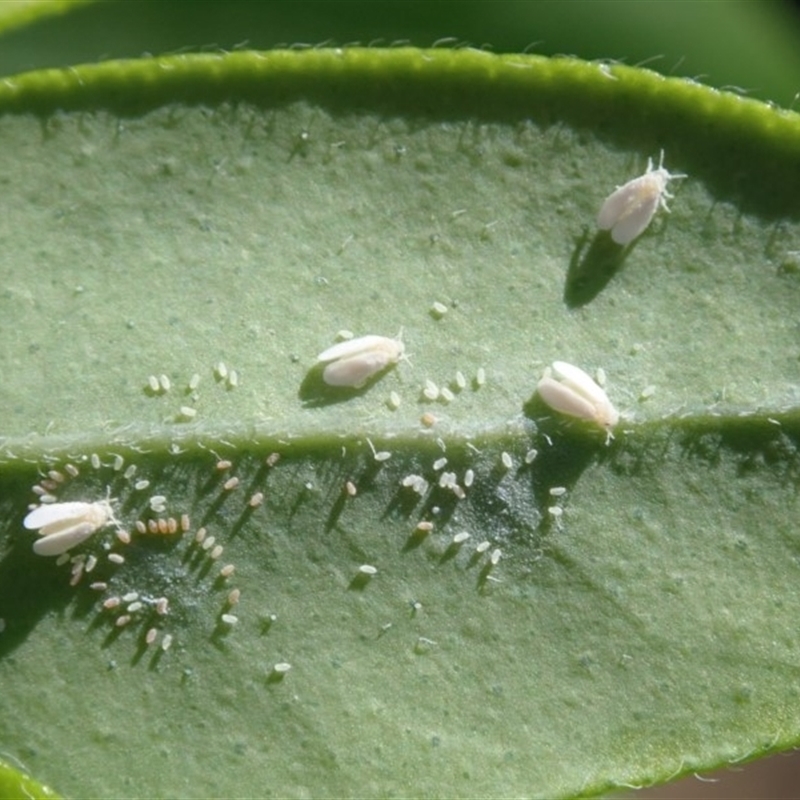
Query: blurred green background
{"points": [[752, 45]]}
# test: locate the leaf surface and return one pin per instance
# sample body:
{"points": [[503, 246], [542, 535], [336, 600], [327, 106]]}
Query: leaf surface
{"points": [[168, 215]]}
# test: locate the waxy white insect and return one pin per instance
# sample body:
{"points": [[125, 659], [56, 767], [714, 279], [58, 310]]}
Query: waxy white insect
{"points": [[628, 211], [568, 389], [62, 526], [354, 362]]}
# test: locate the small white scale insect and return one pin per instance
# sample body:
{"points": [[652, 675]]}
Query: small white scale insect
{"points": [[627, 211], [568, 389], [63, 526], [354, 362]]}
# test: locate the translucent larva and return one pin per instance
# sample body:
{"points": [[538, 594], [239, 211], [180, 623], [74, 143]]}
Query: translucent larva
{"points": [[431, 390], [220, 371], [62, 526], [568, 389], [438, 310], [354, 362], [628, 211]]}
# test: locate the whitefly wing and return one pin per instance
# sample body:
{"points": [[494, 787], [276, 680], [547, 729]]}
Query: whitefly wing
{"points": [[356, 370], [54, 517], [564, 399], [570, 390], [580, 381], [353, 347], [635, 221], [617, 204], [57, 543]]}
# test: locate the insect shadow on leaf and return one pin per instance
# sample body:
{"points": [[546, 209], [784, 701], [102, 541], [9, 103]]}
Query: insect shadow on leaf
{"points": [[592, 266], [315, 393]]}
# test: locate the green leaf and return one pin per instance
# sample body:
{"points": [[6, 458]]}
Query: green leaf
{"points": [[23, 13], [16, 785], [753, 50], [165, 216]]}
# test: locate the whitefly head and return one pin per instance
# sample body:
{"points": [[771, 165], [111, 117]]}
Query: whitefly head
{"points": [[569, 390]]}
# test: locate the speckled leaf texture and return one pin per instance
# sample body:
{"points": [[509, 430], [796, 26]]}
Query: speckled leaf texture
{"points": [[198, 216]]}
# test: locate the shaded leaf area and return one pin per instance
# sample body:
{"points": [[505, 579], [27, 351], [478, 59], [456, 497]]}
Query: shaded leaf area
{"points": [[656, 607]]}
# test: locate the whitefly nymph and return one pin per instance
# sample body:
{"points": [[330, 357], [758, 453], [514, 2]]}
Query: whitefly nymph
{"points": [[352, 363], [628, 211], [569, 390], [62, 526]]}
